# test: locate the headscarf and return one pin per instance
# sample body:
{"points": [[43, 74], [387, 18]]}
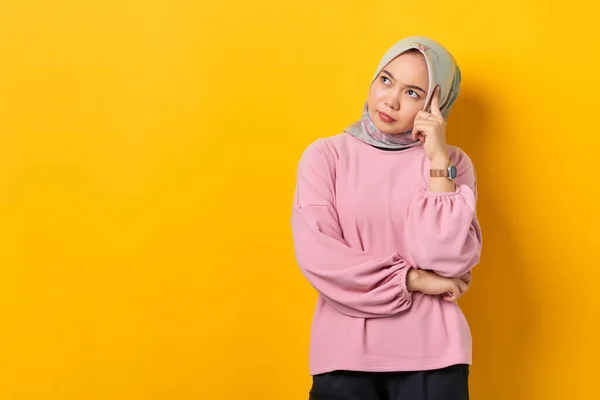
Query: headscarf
{"points": [[443, 71]]}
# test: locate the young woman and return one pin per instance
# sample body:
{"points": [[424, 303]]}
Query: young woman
{"points": [[385, 229]]}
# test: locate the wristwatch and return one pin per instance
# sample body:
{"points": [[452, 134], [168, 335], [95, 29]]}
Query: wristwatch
{"points": [[449, 172]]}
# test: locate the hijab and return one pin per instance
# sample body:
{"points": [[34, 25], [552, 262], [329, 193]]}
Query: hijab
{"points": [[443, 71]]}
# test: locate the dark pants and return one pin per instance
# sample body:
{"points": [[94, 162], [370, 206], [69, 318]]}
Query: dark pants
{"points": [[449, 383]]}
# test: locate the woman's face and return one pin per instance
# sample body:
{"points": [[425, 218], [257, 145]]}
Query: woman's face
{"points": [[398, 93]]}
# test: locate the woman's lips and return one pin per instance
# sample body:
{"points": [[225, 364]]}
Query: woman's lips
{"points": [[385, 118]]}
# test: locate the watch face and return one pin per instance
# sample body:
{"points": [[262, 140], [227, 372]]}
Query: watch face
{"points": [[452, 173]]}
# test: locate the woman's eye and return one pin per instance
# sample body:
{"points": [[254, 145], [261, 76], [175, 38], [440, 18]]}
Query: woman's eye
{"points": [[385, 80], [413, 94]]}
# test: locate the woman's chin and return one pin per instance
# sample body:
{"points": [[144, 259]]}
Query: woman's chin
{"points": [[390, 130]]}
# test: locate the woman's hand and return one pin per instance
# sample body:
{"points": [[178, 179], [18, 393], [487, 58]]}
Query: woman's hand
{"points": [[430, 128], [430, 283]]}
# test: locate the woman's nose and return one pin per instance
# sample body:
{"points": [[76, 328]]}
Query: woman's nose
{"points": [[393, 102]]}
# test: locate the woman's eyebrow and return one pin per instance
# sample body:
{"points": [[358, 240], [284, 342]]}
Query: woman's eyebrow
{"points": [[415, 87], [407, 86], [391, 76]]}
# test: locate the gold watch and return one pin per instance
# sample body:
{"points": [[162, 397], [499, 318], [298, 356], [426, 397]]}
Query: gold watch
{"points": [[449, 172]]}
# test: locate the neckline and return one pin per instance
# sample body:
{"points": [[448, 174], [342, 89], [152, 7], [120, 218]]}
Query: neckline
{"points": [[383, 150]]}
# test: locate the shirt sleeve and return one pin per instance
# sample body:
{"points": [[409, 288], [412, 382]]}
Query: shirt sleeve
{"points": [[352, 281], [442, 230]]}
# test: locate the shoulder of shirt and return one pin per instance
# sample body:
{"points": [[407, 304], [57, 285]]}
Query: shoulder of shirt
{"points": [[327, 147], [459, 157]]}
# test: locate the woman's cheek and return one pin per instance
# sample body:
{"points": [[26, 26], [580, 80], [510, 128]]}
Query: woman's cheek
{"points": [[377, 93]]}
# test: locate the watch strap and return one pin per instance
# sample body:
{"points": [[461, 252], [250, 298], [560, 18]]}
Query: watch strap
{"points": [[438, 173], [450, 172]]}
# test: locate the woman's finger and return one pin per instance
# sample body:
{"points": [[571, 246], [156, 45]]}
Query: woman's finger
{"points": [[453, 291], [466, 278], [424, 124], [418, 131], [421, 127], [429, 117], [462, 285], [424, 115], [435, 101]]}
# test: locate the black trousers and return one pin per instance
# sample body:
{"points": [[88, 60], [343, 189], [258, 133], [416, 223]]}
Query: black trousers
{"points": [[451, 383]]}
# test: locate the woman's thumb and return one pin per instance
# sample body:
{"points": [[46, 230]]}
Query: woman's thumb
{"points": [[454, 290]]}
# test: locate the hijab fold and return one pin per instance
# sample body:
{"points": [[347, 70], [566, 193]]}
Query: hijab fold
{"points": [[442, 70]]}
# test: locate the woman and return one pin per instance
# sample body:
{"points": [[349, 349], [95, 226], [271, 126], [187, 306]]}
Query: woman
{"points": [[385, 229]]}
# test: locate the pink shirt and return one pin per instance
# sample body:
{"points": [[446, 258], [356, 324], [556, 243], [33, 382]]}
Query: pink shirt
{"points": [[362, 217]]}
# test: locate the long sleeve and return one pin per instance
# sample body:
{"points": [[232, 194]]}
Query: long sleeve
{"points": [[354, 282], [442, 230]]}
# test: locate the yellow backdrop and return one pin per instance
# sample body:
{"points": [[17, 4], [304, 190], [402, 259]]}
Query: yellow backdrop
{"points": [[147, 161]]}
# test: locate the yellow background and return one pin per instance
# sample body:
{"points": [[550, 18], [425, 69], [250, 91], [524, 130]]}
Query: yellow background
{"points": [[147, 160]]}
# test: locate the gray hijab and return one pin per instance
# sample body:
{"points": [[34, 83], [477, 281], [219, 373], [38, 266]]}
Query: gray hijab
{"points": [[443, 71]]}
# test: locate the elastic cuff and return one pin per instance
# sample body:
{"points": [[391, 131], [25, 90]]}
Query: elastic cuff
{"points": [[443, 194], [402, 276]]}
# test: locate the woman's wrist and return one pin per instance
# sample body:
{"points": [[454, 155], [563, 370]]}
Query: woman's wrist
{"points": [[440, 161], [441, 184], [412, 279]]}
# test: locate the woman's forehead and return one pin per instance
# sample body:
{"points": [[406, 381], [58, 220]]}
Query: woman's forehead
{"points": [[405, 66]]}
